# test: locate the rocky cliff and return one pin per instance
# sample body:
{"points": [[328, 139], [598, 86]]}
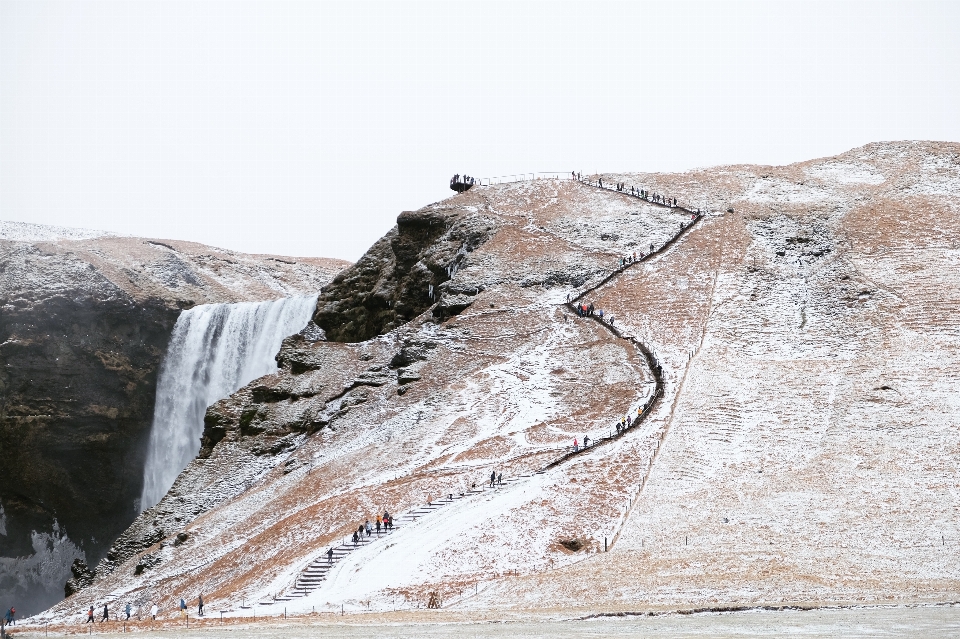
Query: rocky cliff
{"points": [[84, 323], [404, 273]]}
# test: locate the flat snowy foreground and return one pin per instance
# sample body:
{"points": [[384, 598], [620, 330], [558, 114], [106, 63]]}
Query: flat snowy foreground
{"points": [[919, 621]]}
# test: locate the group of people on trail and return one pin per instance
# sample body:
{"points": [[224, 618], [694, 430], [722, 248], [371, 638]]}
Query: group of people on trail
{"points": [[635, 191], [105, 617], [495, 479], [626, 422], [630, 259], [461, 179], [588, 310], [383, 523], [154, 609], [621, 427]]}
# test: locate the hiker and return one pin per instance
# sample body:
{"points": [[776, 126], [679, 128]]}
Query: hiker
{"points": [[500, 479], [493, 479], [200, 605], [11, 616], [379, 523], [330, 555], [387, 524], [183, 607], [356, 539], [576, 447], [153, 611], [611, 320], [586, 441], [369, 528], [600, 313], [127, 610], [90, 615]]}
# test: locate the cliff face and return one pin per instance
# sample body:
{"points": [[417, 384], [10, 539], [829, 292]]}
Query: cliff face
{"points": [[84, 325], [404, 273]]}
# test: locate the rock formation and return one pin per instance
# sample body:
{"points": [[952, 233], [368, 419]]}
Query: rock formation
{"points": [[404, 273]]}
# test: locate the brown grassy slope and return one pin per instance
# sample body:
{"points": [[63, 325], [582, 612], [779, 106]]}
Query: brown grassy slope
{"points": [[811, 449]]}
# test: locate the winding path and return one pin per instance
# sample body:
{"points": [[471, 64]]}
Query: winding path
{"points": [[317, 570]]}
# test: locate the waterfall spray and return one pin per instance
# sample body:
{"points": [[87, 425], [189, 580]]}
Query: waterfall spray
{"points": [[214, 350]]}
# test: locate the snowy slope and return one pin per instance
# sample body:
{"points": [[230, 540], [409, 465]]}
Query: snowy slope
{"points": [[808, 428]]}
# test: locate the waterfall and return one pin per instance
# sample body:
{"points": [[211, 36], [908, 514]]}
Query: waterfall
{"points": [[215, 349]]}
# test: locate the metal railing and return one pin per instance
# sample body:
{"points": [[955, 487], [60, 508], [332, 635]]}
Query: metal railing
{"points": [[526, 177]]}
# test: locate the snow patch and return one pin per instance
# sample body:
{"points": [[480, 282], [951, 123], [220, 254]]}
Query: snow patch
{"points": [[846, 173], [775, 190], [26, 232]]}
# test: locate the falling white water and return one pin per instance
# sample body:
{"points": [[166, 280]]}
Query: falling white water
{"points": [[214, 350]]}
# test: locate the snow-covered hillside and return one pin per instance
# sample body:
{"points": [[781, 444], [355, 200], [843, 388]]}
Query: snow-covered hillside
{"points": [[27, 232], [804, 449]]}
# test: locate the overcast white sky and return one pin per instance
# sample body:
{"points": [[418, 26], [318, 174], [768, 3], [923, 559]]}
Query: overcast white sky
{"points": [[304, 128]]}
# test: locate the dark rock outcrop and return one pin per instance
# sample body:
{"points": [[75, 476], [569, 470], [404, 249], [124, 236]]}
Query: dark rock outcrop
{"points": [[401, 275], [82, 577]]}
